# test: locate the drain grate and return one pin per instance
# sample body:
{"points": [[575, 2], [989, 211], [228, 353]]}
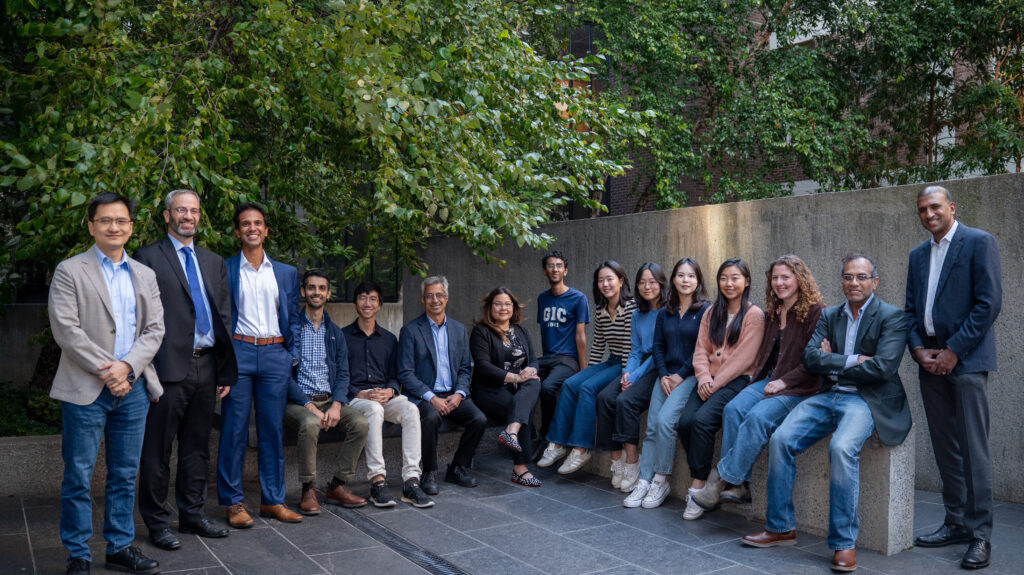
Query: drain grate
{"points": [[429, 561]]}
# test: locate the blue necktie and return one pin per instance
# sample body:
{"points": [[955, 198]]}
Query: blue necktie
{"points": [[202, 319]]}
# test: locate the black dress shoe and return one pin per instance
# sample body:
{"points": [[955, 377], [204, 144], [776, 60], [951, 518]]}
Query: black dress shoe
{"points": [[977, 555], [428, 483], [164, 539], [78, 566], [458, 475], [205, 528], [131, 560], [945, 535]]}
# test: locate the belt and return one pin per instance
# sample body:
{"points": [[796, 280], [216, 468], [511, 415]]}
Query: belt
{"points": [[320, 397], [257, 340], [201, 351]]}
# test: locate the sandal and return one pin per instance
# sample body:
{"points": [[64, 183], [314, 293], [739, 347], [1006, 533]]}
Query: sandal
{"points": [[510, 440], [522, 479]]}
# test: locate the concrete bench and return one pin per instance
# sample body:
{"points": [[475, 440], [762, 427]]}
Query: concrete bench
{"points": [[885, 505]]}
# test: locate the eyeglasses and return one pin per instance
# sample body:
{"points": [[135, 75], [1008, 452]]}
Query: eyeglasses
{"points": [[182, 211], [437, 296], [554, 266], [501, 304], [647, 283], [859, 277], [105, 222], [368, 299]]}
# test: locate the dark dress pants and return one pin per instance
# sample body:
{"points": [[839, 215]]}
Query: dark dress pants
{"points": [[185, 413], [472, 420], [958, 421], [503, 404], [619, 411], [699, 424], [554, 370]]}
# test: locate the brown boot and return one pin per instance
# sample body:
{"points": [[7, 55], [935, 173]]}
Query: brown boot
{"points": [[340, 495], [309, 504], [238, 517], [280, 512]]}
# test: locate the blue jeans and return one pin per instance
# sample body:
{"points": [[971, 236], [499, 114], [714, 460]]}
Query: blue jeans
{"points": [[659, 448], [847, 417], [121, 423], [575, 420], [747, 424]]}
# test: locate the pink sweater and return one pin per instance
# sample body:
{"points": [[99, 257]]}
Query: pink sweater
{"points": [[722, 364]]}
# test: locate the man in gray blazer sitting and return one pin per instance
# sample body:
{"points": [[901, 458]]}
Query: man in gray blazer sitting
{"points": [[106, 316]]}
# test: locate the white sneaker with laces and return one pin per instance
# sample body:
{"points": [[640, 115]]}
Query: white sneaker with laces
{"points": [[693, 510], [574, 462], [551, 455], [630, 475], [617, 473], [637, 495], [656, 494]]}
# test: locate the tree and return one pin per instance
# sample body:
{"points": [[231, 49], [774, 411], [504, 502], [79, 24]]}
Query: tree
{"points": [[399, 119]]}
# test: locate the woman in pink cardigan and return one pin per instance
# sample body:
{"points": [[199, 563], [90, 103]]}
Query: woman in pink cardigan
{"points": [[723, 362]]}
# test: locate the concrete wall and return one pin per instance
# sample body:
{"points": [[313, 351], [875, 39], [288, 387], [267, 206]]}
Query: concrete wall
{"points": [[18, 324], [820, 229]]}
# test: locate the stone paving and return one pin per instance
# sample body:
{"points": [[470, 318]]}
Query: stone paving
{"points": [[568, 526]]}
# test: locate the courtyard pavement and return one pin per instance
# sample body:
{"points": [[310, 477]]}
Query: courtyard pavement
{"points": [[568, 526]]}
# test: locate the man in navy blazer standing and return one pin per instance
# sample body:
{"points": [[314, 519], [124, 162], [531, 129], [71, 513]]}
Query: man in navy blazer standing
{"points": [[954, 294], [434, 371], [265, 324]]}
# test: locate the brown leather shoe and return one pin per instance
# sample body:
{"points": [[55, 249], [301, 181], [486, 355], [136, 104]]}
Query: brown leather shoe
{"points": [[341, 495], [309, 505], [845, 560], [280, 512], [769, 539], [238, 517]]}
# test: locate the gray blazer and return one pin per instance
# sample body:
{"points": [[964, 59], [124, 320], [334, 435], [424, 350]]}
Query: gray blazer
{"points": [[82, 321]]}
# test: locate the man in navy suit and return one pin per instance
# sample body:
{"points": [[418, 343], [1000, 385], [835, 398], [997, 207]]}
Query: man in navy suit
{"points": [[434, 371], [265, 324], [954, 294]]}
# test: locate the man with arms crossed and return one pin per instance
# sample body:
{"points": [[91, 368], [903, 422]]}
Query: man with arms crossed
{"points": [[265, 324], [954, 294], [563, 314], [373, 390], [856, 348], [106, 316], [196, 364]]}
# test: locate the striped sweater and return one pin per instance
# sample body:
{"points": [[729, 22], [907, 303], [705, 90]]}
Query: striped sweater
{"points": [[611, 334]]}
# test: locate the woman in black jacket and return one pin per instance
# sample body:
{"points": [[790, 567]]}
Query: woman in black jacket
{"points": [[505, 384]]}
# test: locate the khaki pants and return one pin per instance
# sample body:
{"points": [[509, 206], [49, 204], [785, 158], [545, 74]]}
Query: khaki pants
{"points": [[401, 411], [352, 423]]}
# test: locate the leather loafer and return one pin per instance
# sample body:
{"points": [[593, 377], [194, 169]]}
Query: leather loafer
{"points": [[280, 512], [770, 539], [844, 560], [428, 483], [131, 560], [341, 495], [977, 555], [238, 517], [204, 528], [458, 475], [309, 505], [945, 535], [164, 539]]}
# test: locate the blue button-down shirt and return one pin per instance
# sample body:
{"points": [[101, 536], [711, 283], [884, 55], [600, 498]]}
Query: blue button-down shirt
{"points": [[118, 277], [313, 374], [443, 382], [199, 339], [852, 326]]}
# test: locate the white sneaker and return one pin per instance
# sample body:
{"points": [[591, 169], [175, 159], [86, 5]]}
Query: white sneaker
{"points": [[636, 496], [574, 462], [617, 473], [630, 475], [551, 455], [693, 510], [656, 494]]}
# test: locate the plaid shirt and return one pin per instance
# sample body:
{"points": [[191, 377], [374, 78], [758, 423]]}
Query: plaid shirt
{"points": [[313, 376]]}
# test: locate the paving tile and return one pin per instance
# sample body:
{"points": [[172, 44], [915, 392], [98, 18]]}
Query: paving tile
{"points": [[489, 561], [545, 550], [12, 519], [580, 495], [487, 486], [929, 515], [261, 551], [927, 496], [906, 563], [1011, 514], [193, 554], [624, 570], [648, 551], [545, 512], [466, 515], [774, 560], [325, 533], [423, 530], [670, 524], [205, 571], [55, 560], [376, 560], [16, 553]]}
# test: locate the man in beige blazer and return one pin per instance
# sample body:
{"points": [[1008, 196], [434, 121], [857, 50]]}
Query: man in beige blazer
{"points": [[106, 316]]}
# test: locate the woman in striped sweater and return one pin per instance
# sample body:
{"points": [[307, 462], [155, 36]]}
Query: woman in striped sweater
{"points": [[573, 424]]}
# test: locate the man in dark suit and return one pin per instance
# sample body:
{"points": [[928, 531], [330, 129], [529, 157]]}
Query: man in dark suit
{"points": [[196, 364], [265, 326], [434, 370], [856, 348], [954, 294]]}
